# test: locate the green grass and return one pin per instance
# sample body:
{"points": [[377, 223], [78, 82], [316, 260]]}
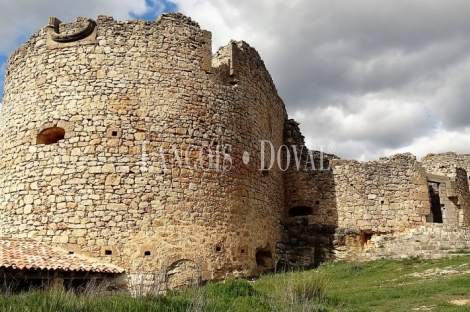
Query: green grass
{"points": [[387, 285], [382, 285]]}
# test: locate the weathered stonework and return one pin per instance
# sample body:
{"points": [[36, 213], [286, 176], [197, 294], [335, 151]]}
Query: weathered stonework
{"points": [[132, 143], [122, 103], [356, 203]]}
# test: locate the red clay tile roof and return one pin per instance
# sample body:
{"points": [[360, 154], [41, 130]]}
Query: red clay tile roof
{"points": [[28, 254]]}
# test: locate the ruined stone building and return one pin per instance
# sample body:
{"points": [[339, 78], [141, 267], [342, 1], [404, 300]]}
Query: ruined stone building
{"points": [[132, 144]]}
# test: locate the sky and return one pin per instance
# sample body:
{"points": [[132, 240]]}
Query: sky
{"points": [[365, 79]]}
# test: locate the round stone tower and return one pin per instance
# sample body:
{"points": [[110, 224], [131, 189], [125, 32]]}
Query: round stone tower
{"points": [[125, 141]]}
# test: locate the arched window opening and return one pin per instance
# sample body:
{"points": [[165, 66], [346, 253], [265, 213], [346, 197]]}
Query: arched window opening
{"points": [[300, 211], [50, 135]]}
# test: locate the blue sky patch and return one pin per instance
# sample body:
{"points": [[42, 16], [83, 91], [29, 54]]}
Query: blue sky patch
{"points": [[157, 8]]}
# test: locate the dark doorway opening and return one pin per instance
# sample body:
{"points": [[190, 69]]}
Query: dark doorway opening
{"points": [[436, 211], [300, 211], [264, 258], [365, 237]]}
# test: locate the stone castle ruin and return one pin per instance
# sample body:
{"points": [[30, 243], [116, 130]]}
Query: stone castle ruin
{"points": [[131, 144]]}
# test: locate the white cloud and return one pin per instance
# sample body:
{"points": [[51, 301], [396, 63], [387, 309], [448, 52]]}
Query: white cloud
{"points": [[2, 79], [437, 141], [371, 78]]}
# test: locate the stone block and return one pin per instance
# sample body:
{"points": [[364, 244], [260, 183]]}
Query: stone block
{"points": [[113, 179], [108, 168], [116, 207]]}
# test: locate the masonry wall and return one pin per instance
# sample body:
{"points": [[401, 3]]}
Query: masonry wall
{"points": [[455, 167], [376, 198], [463, 197], [124, 99], [310, 215], [430, 241], [446, 163], [356, 201], [381, 196]]}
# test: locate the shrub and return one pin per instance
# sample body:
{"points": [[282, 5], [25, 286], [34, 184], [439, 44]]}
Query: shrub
{"points": [[232, 289]]}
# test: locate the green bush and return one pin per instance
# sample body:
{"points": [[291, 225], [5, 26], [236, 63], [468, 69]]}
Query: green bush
{"points": [[412, 261], [235, 295], [232, 289], [356, 267]]}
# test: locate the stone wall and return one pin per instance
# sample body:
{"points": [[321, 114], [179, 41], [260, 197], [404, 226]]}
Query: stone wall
{"points": [[445, 163], [351, 203], [431, 241], [388, 195], [370, 204], [96, 131], [311, 212], [456, 202]]}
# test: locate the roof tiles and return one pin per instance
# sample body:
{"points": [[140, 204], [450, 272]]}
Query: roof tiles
{"points": [[29, 254]]}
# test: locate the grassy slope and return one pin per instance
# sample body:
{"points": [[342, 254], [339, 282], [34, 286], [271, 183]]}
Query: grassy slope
{"points": [[400, 285], [382, 285]]}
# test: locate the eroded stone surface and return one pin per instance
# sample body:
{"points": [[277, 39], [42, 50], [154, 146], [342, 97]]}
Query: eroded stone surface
{"points": [[361, 209], [124, 102]]}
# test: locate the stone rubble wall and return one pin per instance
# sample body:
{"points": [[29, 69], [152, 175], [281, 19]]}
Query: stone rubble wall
{"points": [[446, 163], [431, 241], [307, 184], [412, 234], [138, 89], [350, 203], [389, 195], [307, 239], [131, 95], [462, 199], [371, 205], [457, 168]]}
